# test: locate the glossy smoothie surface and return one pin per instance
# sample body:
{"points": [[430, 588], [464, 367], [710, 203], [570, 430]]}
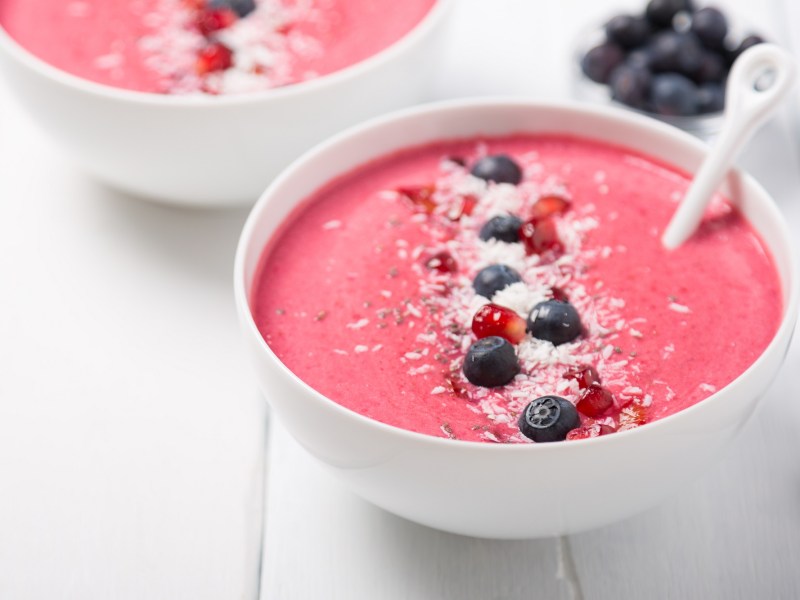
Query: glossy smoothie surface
{"points": [[344, 297], [151, 45]]}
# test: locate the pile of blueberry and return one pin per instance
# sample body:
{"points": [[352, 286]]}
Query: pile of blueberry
{"points": [[492, 360], [672, 60]]}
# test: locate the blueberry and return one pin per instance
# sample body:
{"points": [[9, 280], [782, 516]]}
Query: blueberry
{"points": [[674, 95], [748, 42], [628, 31], [631, 85], [676, 52], [660, 13], [491, 362], [241, 7], [599, 62], [555, 321], [548, 419], [502, 227], [710, 26], [712, 68], [498, 168], [494, 278], [710, 98], [641, 57]]}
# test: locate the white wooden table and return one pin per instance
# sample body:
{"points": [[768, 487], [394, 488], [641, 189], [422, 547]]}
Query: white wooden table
{"points": [[132, 436]]}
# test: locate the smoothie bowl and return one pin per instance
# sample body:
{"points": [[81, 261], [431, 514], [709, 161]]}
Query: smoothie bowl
{"points": [[203, 102], [465, 312]]}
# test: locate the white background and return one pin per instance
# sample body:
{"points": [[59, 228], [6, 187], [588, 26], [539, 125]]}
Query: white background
{"points": [[132, 436]]}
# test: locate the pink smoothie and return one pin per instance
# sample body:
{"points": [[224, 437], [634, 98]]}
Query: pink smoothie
{"points": [[347, 299], [161, 45]]}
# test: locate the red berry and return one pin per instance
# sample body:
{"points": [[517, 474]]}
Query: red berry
{"points": [[595, 401], [492, 319], [420, 197], [539, 236], [590, 429], [442, 262], [559, 294], [547, 206], [214, 57], [213, 19], [454, 385], [464, 205], [585, 375]]}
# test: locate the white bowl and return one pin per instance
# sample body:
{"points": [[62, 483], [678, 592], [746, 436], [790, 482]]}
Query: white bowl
{"points": [[215, 151], [494, 490]]}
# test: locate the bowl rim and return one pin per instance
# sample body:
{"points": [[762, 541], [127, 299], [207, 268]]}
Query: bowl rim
{"points": [[488, 104], [412, 37]]}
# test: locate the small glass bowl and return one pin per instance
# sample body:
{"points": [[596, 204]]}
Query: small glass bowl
{"points": [[705, 126]]}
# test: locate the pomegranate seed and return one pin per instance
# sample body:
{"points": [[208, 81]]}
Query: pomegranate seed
{"points": [[539, 236], [585, 375], [632, 416], [492, 319], [547, 206], [559, 294], [595, 401], [442, 262], [590, 430], [214, 57], [453, 384], [420, 197], [463, 206], [214, 19], [606, 429]]}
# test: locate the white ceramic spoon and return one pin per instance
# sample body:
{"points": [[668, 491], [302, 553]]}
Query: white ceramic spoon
{"points": [[748, 104]]}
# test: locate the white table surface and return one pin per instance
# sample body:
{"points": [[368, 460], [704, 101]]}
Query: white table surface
{"points": [[132, 436]]}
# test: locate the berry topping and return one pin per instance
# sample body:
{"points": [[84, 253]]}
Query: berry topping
{"points": [[210, 20], [590, 431], [595, 401], [554, 321], [599, 62], [214, 57], [463, 205], [494, 278], [675, 95], [242, 8], [539, 236], [548, 419], [661, 12], [504, 228], [676, 52], [495, 320], [419, 196], [442, 262], [559, 294], [491, 362], [748, 42], [628, 31], [498, 168], [547, 206], [585, 375], [631, 85], [712, 68], [710, 98], [711, 26]]}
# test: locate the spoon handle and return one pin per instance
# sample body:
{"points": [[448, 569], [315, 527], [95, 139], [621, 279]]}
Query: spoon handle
{"points": [[750, 100]]}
